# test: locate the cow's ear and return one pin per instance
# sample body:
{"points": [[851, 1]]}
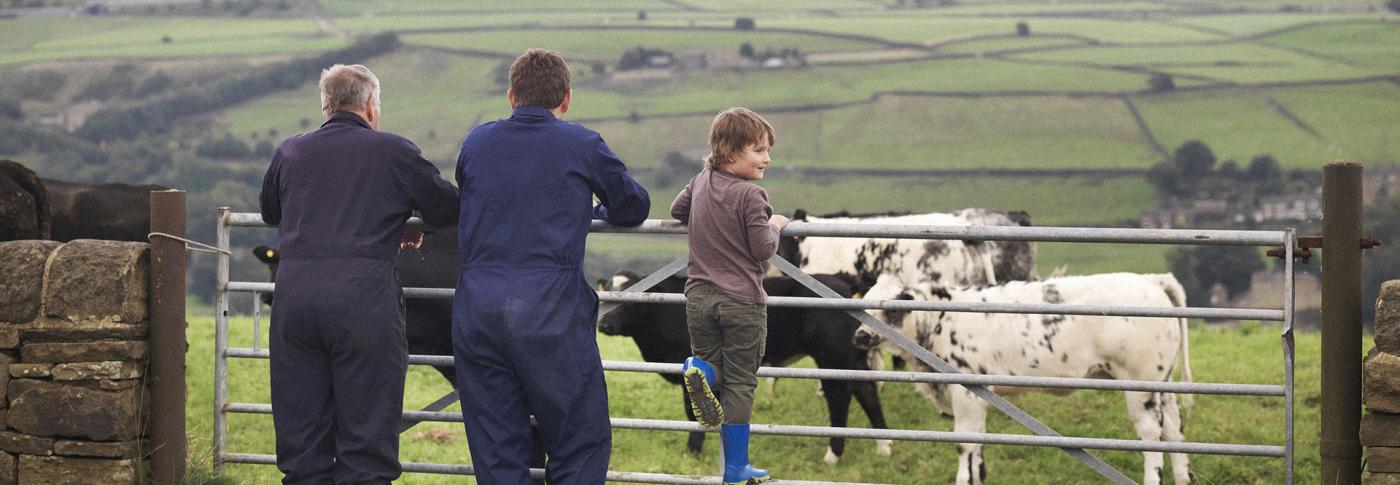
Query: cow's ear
{"points": [[602, 285], [266, 254]]}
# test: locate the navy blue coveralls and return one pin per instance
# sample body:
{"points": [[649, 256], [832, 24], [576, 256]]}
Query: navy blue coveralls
{"points": [[523, 315], [340, 196]]}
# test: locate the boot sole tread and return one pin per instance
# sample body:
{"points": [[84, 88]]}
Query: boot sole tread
{"points": [[703, 402]]}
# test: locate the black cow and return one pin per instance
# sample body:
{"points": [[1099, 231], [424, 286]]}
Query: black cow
{"points": [[661, 335], [114, 212], [24, 210], [429, 320]]}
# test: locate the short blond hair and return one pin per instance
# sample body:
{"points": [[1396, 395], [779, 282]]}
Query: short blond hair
{"points": [[348, 88], [734, 130]]}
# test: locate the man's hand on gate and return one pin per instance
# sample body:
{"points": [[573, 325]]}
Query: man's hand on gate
{"points": [[411, 240]]}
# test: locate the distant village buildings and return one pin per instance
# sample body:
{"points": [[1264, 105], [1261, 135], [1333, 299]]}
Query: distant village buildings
{"points": [[1379, 182]]}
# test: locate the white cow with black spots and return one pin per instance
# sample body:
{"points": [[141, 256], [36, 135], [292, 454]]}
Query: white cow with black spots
{"points": [[862, 260], [1129, 348]]}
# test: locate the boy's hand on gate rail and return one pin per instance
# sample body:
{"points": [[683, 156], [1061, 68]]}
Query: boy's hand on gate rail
{"points": [[778, 220]]}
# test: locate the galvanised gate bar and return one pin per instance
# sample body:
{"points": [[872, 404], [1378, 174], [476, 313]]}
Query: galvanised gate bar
{"points": [[946, 374]]}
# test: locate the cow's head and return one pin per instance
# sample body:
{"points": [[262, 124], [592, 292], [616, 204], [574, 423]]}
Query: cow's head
{"points": [[270, 257], [887, 287], [620, 320]]}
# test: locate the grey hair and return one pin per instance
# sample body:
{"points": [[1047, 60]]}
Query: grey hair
{"points": [[347, 88]]}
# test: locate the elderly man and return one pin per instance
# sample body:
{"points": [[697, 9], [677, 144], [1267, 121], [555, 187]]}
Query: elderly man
{"points": [[340, 196]]}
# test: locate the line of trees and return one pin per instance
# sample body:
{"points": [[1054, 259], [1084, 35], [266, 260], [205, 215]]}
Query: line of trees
{"points": [[157, 115]]}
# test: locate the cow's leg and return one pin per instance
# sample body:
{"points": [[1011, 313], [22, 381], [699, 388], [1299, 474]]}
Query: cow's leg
{"points": [[875, 360], [1145, 408], [969, 416], [838, 406], [1174, 430], [869, 398], [696, 443]]}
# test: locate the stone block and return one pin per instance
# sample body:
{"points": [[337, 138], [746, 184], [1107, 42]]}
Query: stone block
{"points": [[60, 352], [4, 425], [85, 333], [9, 338], [119, 449], [22, 278], [61, 410], [102, 281], [30, 370], [83, 371], [9, 469], [1369, 478], [1380, 429], [1383, 459], [61, 470], [21, 443], [1388, 317], [1380, 386], [118, 385]]}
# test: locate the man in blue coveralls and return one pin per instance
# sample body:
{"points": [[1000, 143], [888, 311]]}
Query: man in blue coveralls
{"points": [[340, 196], [523, 316]]}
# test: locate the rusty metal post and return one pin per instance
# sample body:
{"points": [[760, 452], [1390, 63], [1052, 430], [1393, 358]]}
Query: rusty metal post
{"points": [[1341, 323], [168, 345]]}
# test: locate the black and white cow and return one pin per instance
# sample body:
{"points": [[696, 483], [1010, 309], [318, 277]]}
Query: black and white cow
{"points": [[660, 333], [950, 262], [428, 321], [1129, 348]]}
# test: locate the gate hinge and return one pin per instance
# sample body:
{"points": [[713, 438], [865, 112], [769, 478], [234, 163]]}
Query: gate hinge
{"points": [[1303, 250]]}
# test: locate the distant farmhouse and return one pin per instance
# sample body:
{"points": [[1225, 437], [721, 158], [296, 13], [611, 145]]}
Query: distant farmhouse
{"points": [[1379, 182]]}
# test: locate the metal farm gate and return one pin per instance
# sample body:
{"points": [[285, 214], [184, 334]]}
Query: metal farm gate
{"points": [[946, 374]]}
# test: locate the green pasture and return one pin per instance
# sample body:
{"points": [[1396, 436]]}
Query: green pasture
{"points": [[1375, 45], [1237, 124], [609, 44], [928, 28], [48, 39], [1006, 43], [1250, 24], [444, 93], [1039, 132], [1050, 201], [1247, 354], [469, 20], [1237, 62], [1357, 121], [395, 7]]}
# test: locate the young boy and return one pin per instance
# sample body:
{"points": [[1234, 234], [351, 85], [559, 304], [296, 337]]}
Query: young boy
{"points": [[733, 231], [522, 318]]}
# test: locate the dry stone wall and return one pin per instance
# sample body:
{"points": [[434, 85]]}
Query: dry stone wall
{"points": [[1380, 426], [73, 350]]}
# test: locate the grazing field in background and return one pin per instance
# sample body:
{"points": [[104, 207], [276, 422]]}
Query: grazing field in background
{"points": [[1249, 353]]}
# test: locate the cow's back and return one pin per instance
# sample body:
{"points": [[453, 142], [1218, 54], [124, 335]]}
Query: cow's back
{"points": [[1064, 345], [24, 211], [116, 212]]}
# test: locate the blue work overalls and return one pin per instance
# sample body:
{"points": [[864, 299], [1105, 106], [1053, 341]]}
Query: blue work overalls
{"points": [[523, 315], [340, 196]]}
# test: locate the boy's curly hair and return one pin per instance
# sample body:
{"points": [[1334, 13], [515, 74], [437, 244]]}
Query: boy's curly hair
{"points": [[734, 130], [539, 77]]}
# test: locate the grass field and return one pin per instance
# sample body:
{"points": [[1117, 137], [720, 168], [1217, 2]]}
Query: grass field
{"points": [[1237, 125], [1368, 44], [1261, 23], [1247, 354], [609, 44]]}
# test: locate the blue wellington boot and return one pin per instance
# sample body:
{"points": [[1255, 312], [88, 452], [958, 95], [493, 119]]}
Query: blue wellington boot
{"points": [[699, 379], [737, 470]]}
